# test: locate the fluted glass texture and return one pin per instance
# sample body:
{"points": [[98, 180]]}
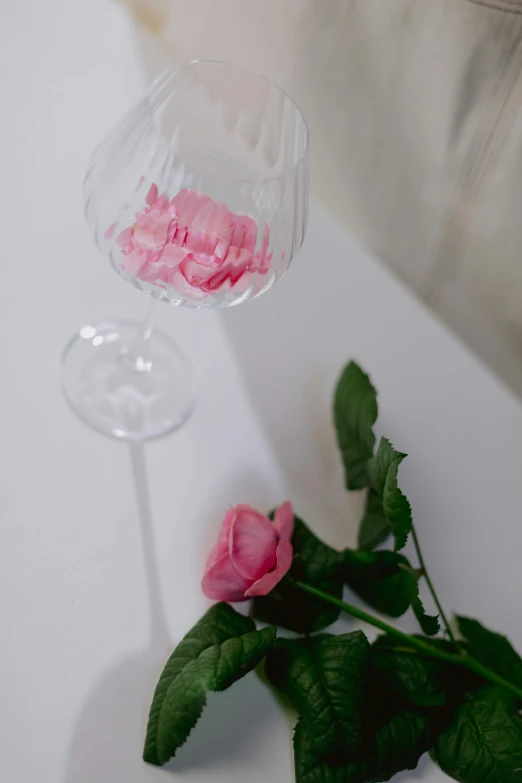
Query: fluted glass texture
{"points": [[199, 196]]}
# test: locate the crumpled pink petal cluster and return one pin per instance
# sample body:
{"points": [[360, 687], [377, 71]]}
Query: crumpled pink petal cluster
{"points": [[251, 556], [193, 244]]}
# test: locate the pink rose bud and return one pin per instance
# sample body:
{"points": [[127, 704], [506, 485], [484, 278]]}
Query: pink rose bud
{"points": [[251, 556]]}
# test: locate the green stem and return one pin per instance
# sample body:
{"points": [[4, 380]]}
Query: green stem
{"points": [[460, 659], [432, 588]]}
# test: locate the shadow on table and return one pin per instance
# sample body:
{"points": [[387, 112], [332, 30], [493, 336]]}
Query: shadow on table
{"points": [[290, 379], [108, 739], [228, 732], [107, 742]]}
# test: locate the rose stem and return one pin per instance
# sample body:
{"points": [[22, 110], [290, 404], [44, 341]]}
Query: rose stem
{"points": [[460, 659]]}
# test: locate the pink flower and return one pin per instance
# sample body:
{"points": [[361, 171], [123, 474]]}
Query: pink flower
{"points": [[251, 556], [192, 243]]}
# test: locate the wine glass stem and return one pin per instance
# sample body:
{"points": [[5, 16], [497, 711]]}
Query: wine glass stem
{"points": [[136, 356]]}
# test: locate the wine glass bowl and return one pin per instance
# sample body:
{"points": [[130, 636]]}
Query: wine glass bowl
{"points": [[199, 196]]}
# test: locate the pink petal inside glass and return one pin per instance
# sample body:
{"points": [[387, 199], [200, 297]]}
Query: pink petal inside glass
{"points": [[190, 242]]}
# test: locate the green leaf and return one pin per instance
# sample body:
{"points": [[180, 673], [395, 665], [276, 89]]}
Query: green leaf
{"points": [[313, 559], [397, 509], [319, 565], [379, 579], [219, 650], [483, 743], [382, 470], [294, 609], [429, 623], [375, 527], [380, 465], [355, 412], [397, 745], [424, 681], [325, 678], [386, 582], [217, 625], [491, 649]]}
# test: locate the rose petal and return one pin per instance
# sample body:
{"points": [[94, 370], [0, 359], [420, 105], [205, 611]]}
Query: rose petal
{"points": [[267, 582], [220, 224], [223, 544], [173, 255], [152, 195], [221, 249], [179, 199], [163, 201], [171, 232], [244, 234], [151, 231], [196, 274], [217, 281], [238, 233], [265, 240], [213, 556], [183, 287], [232, 256], [180, 236], [164, 273], [253, 543], [261, 262], [242, 284], [110, 231], [265, 267], [150, 272], [134, 262], [203, 208], [188, 203], [201, 242], [125, 237], [284, 520], [222, 582]]}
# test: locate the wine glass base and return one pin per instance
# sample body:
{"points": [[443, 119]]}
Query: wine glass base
{"points": [[120, 393]]}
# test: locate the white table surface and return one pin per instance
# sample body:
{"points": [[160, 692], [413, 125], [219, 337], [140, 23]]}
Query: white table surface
{"points": [[101, 550]]}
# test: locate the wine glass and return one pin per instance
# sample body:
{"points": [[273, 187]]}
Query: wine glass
{"points": [[199, 198]]}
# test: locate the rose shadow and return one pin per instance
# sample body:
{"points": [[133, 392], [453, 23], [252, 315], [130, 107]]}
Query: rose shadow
{"points": [[107, 740], [227, 734]]}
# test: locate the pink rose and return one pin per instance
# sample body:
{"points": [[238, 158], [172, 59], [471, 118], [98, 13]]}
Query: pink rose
{"points": [[251, 556], [193, 244]]}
